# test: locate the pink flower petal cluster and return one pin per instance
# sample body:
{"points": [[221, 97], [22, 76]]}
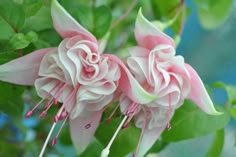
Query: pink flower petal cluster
{"points": [[156, 67], [85, 81]]}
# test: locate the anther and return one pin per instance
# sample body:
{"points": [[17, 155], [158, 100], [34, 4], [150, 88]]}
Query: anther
{"points": [[111, 115], [87, 126], [62, 115], [125, 125], [42, 115], [168, 127], [54, 141], [47, 104], [28, 114], [108, 121], [56, 119]]}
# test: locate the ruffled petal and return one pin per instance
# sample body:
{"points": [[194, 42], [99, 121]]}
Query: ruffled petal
{"points": [[66, 25], [148, 35], [198, 93], [24, 70], [82, 135], [129, 86]]}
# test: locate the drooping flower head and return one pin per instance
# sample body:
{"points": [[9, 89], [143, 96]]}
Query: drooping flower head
{"points": [[156, 67], [76, 74]]}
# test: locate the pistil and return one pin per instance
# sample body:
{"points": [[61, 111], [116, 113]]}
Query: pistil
{"points": [[106, 151]]}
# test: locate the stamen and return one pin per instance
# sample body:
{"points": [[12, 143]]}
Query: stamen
{"points": [[168, 127], [141, 135], [111, 115], [63, 115], [67, 100], [106, 151], [54, 140], [59, 92], [30, 112], [43, 114], [130, 113], [47, 139]]}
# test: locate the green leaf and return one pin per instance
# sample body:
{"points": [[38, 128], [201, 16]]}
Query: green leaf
{"points": [[6, 30], [231, 92], [85, 17], [11, 101], [166, 10], [233, 112], [20, 41], [102, 20], [213, 13], [128, 137], [31, 7], [40, 21], [217, 144], [190, 122], [43, 40], [13, 14]]}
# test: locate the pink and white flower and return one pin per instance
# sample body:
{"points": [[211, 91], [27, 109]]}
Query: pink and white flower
{"points": [[77, 75], [160, 72]]}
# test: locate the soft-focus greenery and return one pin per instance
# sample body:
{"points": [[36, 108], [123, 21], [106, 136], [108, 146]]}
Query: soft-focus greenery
{"points": [[26, 25]]}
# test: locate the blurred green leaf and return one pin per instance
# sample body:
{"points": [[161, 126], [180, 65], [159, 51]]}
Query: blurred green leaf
{"points": [[13, 14], [7, 56], [217, 144], [31, 7], [11, 101], [231, 92], [40, 21], [213, 13], [190, 122], [230, 89], [9, 148], [101, 21], [6, 31], [166, 10], [233, 112], [94, 149]]}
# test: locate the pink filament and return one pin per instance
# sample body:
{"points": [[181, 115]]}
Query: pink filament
{"points": [[168, 127], [30, 112], [111, 115], [130, 113], [141, 135], [67, 100]]}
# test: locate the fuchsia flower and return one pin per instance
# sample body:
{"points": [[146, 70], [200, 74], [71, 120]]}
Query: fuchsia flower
{"points": [[155, 66], [76, 74]]}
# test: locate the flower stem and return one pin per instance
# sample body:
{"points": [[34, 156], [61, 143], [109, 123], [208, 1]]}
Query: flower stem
{"points": [[124, 15]]}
